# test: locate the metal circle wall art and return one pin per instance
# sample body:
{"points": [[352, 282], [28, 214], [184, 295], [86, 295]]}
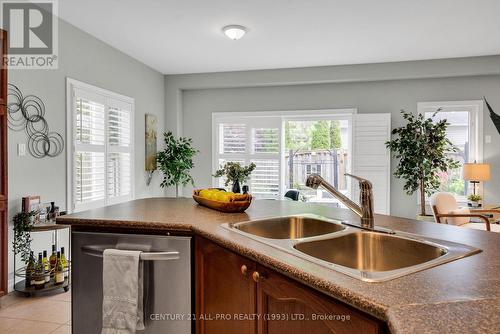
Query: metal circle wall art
{"points": [[28, 113]]}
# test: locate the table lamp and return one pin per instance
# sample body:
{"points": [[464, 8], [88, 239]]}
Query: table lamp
{"points": [[475, 173]]}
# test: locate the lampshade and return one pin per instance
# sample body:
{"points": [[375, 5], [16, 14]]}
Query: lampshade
{"points": [[477, 172]]}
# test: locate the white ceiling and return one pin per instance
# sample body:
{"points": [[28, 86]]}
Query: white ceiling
{"points": [[184, 36]]}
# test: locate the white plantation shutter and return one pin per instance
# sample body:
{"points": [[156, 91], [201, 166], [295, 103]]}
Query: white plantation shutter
{"points": [[89, 119], [234, 138], [371, 159], [264, 182], [100, 127], [119, 151], [119, 178], [251, 139], [119, 126], [89, 177]]}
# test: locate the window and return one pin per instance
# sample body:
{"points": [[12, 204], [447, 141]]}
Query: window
{"points": [[251, 140], [100, 142], [465, 119], [287, 146], [267, 138]]}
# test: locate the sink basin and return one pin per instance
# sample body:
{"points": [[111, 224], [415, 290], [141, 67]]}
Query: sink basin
{"points": [[375, 257], [366, 251], [291, 227]]}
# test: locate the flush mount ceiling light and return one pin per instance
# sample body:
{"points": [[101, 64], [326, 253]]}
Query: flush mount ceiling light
{"points": [[234, 32]]}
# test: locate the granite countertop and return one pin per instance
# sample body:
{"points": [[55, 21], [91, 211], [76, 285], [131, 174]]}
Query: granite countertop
{"points": [[460, 296]]}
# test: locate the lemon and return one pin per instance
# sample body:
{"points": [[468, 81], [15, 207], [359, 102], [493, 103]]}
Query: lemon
{"points": [[204, 193], [211, 194], [220, 196]]}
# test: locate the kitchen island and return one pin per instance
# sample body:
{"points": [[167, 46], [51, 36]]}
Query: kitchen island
{"points": [[460, 296]]}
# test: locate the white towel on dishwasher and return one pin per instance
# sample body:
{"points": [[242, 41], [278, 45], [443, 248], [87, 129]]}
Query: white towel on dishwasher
{"points": [[122, 309]]}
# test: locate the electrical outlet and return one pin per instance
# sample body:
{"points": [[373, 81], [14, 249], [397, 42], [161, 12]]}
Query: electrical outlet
{"points": [[21, 149], [487, 139]]}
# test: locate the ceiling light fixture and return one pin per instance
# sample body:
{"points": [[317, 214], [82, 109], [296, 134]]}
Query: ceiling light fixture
{"points": [[234, 32]]}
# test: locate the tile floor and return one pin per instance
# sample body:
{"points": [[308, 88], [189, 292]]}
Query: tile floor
{"points": [[45, 314]]}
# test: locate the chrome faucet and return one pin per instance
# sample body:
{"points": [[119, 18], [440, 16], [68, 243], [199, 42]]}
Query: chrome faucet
{"points": [[364, 210]]}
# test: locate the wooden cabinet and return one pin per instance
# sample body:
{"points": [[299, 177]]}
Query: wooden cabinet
{"points": [[3, 166], [224, 287], [265, 301], [293, 308]]}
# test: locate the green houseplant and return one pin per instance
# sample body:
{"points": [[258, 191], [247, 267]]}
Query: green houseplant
{"points": [[175, 161], [235, 173], [22, 237], [421, 147], [474, 200]]}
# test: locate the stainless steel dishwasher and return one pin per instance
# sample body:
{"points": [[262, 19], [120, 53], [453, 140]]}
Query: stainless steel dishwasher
{"points": [[167, 280]]}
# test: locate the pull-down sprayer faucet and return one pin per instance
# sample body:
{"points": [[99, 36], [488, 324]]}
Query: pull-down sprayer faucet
{"points": [[364, 210]]}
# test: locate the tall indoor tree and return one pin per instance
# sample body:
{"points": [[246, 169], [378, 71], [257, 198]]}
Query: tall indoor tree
{"points": [[421, 146], [175, 161]]}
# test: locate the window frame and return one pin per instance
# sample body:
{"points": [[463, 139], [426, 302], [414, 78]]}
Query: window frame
{"points": [[280, 117], [476, 142], [111, 99]]}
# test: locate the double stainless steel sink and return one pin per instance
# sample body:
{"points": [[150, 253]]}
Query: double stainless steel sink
{"points": [[367, 255]]}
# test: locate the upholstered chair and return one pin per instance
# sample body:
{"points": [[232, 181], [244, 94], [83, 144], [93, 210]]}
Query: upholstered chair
{"points": [[446, 211]]}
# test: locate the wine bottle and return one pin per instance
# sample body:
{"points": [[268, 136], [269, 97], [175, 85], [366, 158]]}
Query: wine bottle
{"points": [[39, 273], [30, 270], [59, 271], [46, 266], [64, 262], [53, 260]]}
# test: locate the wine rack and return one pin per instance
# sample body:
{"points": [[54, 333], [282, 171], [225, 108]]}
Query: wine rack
{"points": [[20, 273], [48, 286]]}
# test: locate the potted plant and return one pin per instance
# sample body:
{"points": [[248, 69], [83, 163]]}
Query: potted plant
{"points": [[23, 224], [175, 161], [235, 173], [421, 146], [474, 200]]}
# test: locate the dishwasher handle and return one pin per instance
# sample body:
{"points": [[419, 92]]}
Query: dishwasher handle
{"points": [[98, 250]]}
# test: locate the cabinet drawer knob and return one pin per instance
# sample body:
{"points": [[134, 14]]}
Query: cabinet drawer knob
{"points": [[256, 276], [244, 270]]}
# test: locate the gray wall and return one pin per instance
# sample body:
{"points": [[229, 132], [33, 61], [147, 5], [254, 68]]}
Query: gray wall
{"points": [[369, 96], [87, 59]]}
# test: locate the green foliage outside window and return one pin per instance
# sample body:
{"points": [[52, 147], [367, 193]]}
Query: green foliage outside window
{"points": [[335, 135], [320, 139]]}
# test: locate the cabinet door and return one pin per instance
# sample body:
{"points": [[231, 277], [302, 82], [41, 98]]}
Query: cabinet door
{"points": [[292, 308], [224, 288]]}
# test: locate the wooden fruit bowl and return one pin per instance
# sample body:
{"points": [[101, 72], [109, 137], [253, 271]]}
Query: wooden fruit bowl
{"points": [[239, 204]]}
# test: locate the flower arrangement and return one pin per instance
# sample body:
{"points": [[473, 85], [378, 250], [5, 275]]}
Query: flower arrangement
{"points": [[474, 198], [235, 173]]}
